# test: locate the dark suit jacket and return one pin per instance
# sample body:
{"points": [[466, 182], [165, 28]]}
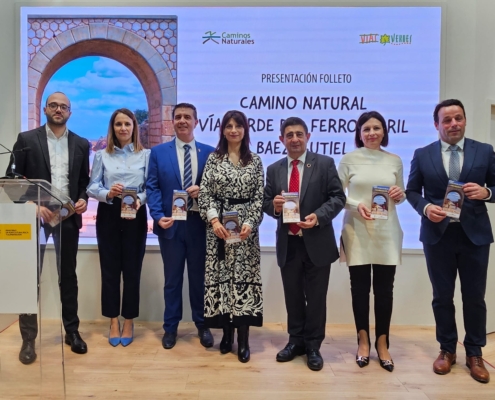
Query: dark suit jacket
{"points": [[321, 193], [164, 177], [428, 182], [35, 163]]}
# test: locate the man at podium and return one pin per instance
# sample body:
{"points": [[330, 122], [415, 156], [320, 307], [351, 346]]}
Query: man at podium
{"points": [[60, 157]]}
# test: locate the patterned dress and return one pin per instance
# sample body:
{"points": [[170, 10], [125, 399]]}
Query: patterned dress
{"points": [[233, 291]]}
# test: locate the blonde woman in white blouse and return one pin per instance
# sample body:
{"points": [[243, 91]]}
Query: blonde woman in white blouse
{"points": [[371, 244]]}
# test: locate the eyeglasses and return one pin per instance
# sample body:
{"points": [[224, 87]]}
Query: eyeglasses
{"points": [[54, 106]]}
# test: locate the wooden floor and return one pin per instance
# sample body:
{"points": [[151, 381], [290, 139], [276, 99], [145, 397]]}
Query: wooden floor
{"points": [[145, 371]]}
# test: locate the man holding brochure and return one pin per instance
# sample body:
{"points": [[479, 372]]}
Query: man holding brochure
{"points": [[453, 245], [305, 250], [178, 165]]}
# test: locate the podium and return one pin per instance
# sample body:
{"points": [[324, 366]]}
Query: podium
{"points": [[29, 282]]}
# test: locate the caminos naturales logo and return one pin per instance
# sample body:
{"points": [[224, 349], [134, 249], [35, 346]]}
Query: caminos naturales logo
{"points": [[393, 39], [230, 38]]}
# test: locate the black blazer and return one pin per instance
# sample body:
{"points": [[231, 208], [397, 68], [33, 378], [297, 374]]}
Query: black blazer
{"points": [[35, 163], [321, 193]]}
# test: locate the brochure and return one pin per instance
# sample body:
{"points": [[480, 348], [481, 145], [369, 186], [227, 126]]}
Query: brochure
{"points": [[179, 205], [291, 208], [62, 213], [231, 224], [453, 200], [379, 202], [129, 203]]}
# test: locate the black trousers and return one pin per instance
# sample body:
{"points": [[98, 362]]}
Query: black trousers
{"points": [[452, 254], [121, 245], [305, 292], [66, 240], [383, 286]]}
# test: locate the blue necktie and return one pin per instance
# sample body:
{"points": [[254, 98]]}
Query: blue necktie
{"points": [[187, 173], [455, 163]]}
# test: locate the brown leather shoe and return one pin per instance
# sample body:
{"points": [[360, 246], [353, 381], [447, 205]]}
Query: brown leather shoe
{"points": [[478, 370], [444, 362]]}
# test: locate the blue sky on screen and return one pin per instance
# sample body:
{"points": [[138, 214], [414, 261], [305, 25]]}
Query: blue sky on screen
{"points": [[96, 87]]}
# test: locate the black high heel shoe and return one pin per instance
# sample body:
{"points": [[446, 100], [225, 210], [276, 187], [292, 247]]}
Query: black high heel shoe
{"points": [[243, 351], [385, 364], [362, 361], [227, 339]]}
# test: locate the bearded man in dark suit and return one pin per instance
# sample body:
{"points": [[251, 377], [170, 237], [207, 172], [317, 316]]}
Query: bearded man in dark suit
{"points": [[60, 157]]}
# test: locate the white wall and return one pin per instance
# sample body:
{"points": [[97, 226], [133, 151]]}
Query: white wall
{"points": [[467, 74]]}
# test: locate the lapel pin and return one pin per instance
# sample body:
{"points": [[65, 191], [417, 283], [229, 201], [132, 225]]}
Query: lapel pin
{"points": [[308, 165], [199, 150]]}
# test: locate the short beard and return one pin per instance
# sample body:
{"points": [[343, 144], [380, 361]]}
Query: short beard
{"points": [[50, 120]]}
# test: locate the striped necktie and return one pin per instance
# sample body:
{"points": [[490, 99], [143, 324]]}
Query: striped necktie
{"points": [[187, 173]]}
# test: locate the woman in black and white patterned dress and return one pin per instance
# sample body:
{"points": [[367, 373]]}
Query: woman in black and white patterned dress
{"points": [[233, 181]]}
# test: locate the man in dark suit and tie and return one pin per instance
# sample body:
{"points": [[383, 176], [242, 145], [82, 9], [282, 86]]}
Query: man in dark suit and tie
{"points": [[453, 246], [305, 250], [60, 157], [178, 165]]}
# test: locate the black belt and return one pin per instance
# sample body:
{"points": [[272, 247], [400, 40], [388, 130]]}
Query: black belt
{"points": [[231, 202]]}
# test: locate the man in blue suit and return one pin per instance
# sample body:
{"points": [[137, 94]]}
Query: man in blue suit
{"points": [[450, 245], [178, 165]]}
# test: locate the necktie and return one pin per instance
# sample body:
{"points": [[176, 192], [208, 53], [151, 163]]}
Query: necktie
{"points": [[187, 173], [294, 187], [454, 164]]}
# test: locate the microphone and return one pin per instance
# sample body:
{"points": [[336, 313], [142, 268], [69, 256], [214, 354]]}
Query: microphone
{"points": [[12, 165], [15, 151]]}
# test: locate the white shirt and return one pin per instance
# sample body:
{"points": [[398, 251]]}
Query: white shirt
{"points": [[179, 144], [58, 148]]}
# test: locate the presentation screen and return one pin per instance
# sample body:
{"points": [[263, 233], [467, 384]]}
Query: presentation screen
{"points": [[326, 65]]}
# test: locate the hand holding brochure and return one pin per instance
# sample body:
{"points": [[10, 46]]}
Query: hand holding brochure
{"points": [[290, 210], [453, 200], [129, 203], [179, 205], [379, 202], [63, 213], [231, 224]]}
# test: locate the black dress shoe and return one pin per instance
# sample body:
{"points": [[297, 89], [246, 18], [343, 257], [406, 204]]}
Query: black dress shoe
{"points": [[205, 337], [27, 355], [77, 345], [289, 352], [169, 339], [315, 361]]}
